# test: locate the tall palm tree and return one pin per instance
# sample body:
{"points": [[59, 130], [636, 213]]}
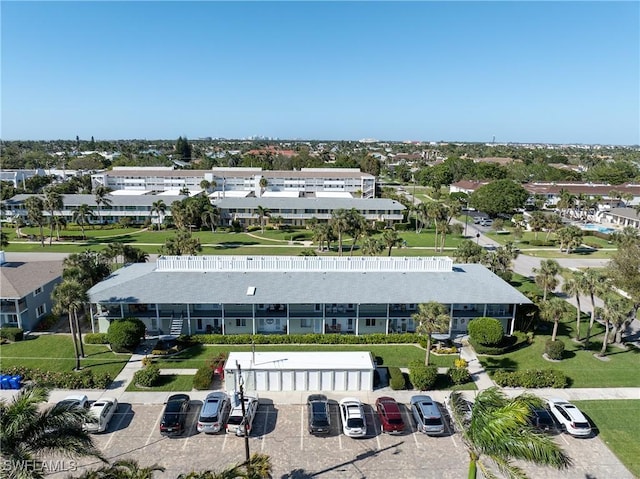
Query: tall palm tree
{"points": [[101, 198], [552, 310], [537, 223], [390, 238], [339, 224], [70, 296], [572, 286], [499, 429], [357, 227], [614, 314], [546, 276], [52, 202], [258, 467], [122, 469], [262, 214], [159, 208], [372, 246], [35, 205], [82, 215], [552, 224], [28, 432], [435, 213], [114, 250], [432, 317], [592, 284], [263, 185], [211, 217]]}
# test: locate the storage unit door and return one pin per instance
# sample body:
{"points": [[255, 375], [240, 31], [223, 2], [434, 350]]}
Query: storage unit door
{"points": [[261, 380], [301, 381], [274, 381], [327, 381], [353, 381], [287, 380], [366, 380], [339, 381], [314, 381]]}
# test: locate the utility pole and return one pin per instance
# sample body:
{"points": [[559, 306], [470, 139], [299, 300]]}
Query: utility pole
{"points": [[244, 423]]}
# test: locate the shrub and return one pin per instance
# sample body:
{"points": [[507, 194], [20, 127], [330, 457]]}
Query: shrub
{"points": [[554, 349], [459, 375], [125, 334], [396, 379], [147, 376], [422, 377], [508, 343], [460, 363], [84, 379], [146, 361], [311, 338], [540, 242], [530, 378], [12, 334], [486, 331], [46, 323], [95, 338], [203, 378]]}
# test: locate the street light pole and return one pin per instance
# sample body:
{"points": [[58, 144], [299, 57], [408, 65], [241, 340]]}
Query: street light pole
{"points": [[244, 423]]}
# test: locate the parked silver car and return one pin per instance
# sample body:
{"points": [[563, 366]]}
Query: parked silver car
{"points": [[427, 415], [214, 413]]}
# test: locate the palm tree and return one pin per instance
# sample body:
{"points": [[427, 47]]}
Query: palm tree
{"points": [[614, 314], [372, 246], [82, 215], [52, 202], [262, 214], [68, 297], [114, 250], [553, 224], [546, 276], [572, 286], [435, 213], [159, 208], [263, 185], [101, 193], [537, 223], [431, 317], [35, 205], [592, 284], [211, 217], [258, 467], [357, 227], [552, 310], [122, 469], [390, 238], [499, 429], [339, 224], [28, 432]]}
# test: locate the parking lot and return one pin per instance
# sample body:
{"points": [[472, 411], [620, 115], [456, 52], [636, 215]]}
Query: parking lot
{"points": [[281, 432]]}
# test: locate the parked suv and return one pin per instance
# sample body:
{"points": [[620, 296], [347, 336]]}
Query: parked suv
{"points": [[214, 413], [542, 420], [390, 415], [318, 412], [427, 415], [174, 416], [570, 417], [239, 424]]}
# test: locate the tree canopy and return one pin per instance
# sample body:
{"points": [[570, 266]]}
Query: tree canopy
{"points": [[501, 196]]}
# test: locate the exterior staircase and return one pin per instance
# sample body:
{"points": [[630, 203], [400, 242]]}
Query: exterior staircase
{"points": [[176, 326]]}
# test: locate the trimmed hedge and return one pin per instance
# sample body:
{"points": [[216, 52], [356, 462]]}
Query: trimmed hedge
{"points": [[486, 331], [530, 378], [396, 379], [376, 338], [95, 338], [459, 375], [203, 378], [85, 379], [422, 377], [554, 349], [125, 334], [508, 343], [539, 242], [147, 376], [12, 334]]}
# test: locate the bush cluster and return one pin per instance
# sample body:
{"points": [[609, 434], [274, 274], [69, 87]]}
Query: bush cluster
{"points": [[459, 375], [554, 349], [204, 377], [508, 343], [147, 376], [46, 323], [95, 338], [541, 242], [85, 379], [12, 334], [530, 378], [486, 331], [396, 379], [125, 334], [377, 338], [422, 377]]}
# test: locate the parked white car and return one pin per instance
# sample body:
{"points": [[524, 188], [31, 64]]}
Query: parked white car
{"points": [[570, 417], [101, 413], [75, 400], [354, 423], [237, 423]]}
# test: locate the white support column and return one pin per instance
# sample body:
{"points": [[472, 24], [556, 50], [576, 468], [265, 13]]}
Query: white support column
{"points": [[450, 320], [513, 320], [18, 313], [387, 325], [93, 328], [288, 317], [357, 319], [223, 318], [157, 315], [324, 314], [189, 318], [253, 318], [122, 310], [485, 310]]}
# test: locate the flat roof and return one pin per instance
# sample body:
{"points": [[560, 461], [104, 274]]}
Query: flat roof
{"points": [[307, 360], [311, 203], [134, 199]]}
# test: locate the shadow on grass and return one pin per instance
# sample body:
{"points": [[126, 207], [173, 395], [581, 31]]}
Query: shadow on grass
{"points": [[105, 363], [184, 355], [492, 363]]}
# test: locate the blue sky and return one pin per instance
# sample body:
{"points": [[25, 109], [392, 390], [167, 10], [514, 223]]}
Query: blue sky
{"points": [[559, 72]]}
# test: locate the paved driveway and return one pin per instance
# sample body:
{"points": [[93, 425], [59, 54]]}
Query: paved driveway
{"points": [[280, 431]]}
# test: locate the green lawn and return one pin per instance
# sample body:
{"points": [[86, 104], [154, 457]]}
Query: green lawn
{"points": [[55, 353], [618, 423], [168, 382], [392, 355]]}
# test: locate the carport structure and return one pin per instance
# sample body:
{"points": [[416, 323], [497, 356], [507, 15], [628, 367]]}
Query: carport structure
{"points": [[300, 371]]}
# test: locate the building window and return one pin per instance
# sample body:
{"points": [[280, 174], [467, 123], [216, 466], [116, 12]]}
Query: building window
{"points": [[370, 321], [41, 310], [241, 322], [37, 291], [317, 307], [199, 326]]}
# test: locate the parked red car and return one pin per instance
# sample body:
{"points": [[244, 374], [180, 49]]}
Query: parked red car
{"points": [[390, 415]]}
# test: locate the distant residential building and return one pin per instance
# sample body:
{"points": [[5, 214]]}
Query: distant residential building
{"points": [[25, 291], [621, 216]]}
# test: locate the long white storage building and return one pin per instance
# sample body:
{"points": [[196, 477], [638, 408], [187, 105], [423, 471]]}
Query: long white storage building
{"points": [[301, 371]]}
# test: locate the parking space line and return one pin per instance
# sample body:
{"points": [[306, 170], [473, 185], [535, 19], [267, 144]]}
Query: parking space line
{"points": [[453, 440], [409, 422], [264, 431], [378, 441], [302, 429], [154, 428], [189, 434], [117, 426], [340, 440], [564, 439], [224, 442]]}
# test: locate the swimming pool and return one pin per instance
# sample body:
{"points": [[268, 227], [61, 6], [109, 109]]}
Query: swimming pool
{"points": [[600, 229]]}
